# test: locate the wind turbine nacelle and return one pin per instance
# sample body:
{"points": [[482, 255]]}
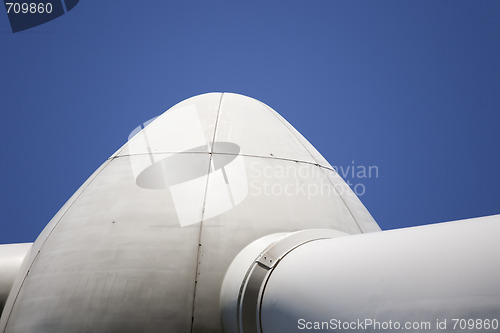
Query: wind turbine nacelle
{"points": [[145, 242], [219, 216], [440, 277]]}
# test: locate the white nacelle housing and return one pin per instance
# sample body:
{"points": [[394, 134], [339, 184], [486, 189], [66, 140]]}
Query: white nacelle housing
{"points": [[422, 279], [11, 259]]}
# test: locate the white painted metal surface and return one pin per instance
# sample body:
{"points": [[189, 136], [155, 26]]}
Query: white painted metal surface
{"points": [[237, 273], [144, 244], [423, 276], [189, 125], [247, 276], [11, 259], [258, 130]]}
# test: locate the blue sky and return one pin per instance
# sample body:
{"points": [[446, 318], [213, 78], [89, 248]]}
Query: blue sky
{"points": [[412, 87]]}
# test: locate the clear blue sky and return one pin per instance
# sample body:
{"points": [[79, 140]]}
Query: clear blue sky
{"points": [[412, 87]]}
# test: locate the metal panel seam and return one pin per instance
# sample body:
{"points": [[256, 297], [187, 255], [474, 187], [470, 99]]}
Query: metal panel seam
{"points": [[202, 215], [45, 240], [317, 162], [244, 155], [293, 134], [122, 148]]}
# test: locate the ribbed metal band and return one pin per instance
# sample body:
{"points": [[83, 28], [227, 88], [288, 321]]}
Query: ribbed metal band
{"points": [[253, 286]]}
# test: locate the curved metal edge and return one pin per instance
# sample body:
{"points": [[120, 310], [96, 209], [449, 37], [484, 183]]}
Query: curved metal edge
{"points": [[253, 286]]}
